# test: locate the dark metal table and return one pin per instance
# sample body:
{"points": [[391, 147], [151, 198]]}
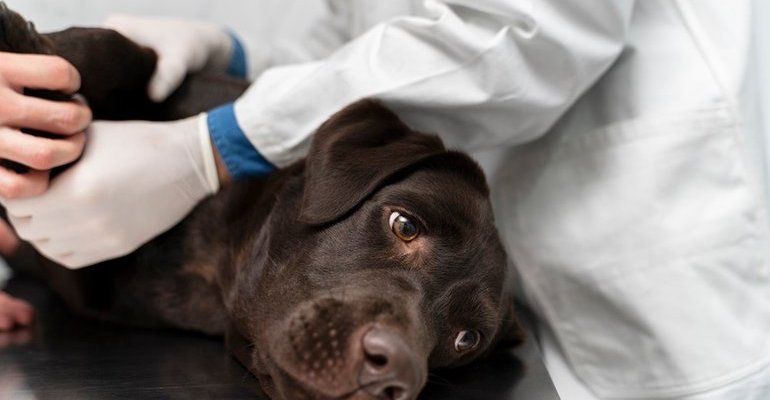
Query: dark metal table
{"points": [[64, 357]]}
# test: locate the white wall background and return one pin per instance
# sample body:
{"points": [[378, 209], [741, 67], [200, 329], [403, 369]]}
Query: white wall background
{"points": [[256, 19]]}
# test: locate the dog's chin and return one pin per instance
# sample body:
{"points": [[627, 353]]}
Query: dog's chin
{"points": [[283, 387]]}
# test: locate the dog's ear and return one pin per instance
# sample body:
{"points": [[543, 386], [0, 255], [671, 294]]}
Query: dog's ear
{"points": [[353, 154]]}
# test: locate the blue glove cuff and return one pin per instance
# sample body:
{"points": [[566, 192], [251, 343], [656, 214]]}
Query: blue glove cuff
{"points": [[237, 67], [240, 156]]}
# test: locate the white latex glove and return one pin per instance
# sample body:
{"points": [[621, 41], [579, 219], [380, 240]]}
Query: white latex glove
{"points": [[182, 46], [135, 181]]}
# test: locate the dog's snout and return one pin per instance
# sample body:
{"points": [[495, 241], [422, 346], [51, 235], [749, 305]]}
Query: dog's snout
{"points": [[353, 349], [390, 369]]}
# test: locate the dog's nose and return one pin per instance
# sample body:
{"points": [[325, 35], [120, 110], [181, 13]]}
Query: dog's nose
{"points": [[390, 369]]}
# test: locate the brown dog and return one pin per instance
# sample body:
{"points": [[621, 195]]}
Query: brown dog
{"points": [[346, 275]]}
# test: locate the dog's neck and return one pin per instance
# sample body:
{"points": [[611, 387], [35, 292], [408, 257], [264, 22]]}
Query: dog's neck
{"points": [[241, 226]]}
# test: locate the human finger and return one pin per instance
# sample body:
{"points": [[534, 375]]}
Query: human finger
{"points": [[38, 152], [14, 185], [39, 71], [62, 117], [169, 74]]}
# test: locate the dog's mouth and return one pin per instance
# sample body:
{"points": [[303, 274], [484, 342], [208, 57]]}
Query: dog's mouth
{"points": [[323, 353]]}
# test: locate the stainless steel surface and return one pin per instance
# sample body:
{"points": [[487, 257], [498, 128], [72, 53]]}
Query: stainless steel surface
{"points": [[64, 357]]}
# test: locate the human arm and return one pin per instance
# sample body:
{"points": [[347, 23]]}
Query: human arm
{"points": [[480, 73]]}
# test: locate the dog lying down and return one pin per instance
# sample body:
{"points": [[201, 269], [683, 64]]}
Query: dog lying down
{"points": [[347, 275]]}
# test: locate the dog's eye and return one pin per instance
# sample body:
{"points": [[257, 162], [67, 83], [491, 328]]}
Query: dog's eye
{"points": [[402, 227], [467, 340]]}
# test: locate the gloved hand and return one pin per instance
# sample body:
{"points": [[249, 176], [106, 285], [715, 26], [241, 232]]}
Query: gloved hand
{"points": [[182, 46], [134, 181]]}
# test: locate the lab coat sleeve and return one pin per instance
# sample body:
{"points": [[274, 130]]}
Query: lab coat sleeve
{"points": [[480, 73]]}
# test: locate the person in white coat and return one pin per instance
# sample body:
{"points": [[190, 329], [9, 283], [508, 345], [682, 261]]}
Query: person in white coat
{"points": [[624, 143]]}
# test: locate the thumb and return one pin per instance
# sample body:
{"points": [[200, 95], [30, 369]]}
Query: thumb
{"points": [[9, 242], [169, 74]]}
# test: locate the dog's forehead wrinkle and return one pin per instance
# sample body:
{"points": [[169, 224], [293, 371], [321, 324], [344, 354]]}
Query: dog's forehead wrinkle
{"points": [[479, 302], [451, 262]]}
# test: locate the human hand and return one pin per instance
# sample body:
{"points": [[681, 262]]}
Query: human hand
{"points": [[134, 181], [9, 242], [14, 313], [183, 46], [17, 111]]}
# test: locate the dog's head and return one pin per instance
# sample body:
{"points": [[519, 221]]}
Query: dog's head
{"points": [[395, 267]]}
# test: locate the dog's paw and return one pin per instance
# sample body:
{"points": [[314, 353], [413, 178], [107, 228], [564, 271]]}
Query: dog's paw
{"points": [[14, 313], [17, 35]]}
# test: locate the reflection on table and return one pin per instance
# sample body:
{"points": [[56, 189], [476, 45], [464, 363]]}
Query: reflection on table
{"points": [[64, 357]]}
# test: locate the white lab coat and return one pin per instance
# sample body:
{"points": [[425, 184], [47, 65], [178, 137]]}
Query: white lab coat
{"points": [[637, 223]]}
